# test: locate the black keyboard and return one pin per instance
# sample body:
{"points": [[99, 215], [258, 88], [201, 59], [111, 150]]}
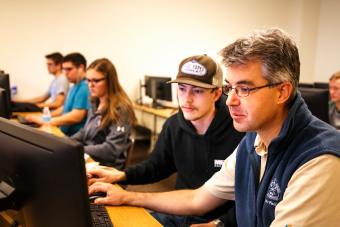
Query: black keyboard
{"points": [[100, 217], [22, 120]]}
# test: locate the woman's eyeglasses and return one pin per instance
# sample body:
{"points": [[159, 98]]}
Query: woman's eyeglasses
{"points": [[94, 80]]}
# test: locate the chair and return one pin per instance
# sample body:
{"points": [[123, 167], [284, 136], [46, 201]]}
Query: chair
{"points": [[317, 101], [129, 152]]}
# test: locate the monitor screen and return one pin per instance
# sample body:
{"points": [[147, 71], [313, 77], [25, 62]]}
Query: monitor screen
{"points": [[47, 174], [306, 85], [4, 105], [317, 101], [4, 84], [324, 85], [157, 88]]}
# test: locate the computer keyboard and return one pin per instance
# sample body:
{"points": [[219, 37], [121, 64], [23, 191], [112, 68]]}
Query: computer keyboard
{"points": [[22, 120], [100, 217]]}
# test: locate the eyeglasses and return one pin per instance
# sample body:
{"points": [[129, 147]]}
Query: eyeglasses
{"points": [[68, 68], [244, 91], [95, 80]]}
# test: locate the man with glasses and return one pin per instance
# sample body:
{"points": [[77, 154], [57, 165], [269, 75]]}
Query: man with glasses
{"points": [[55, 96], [285, 172], [72, 116], [334, 104], [193, 143]]}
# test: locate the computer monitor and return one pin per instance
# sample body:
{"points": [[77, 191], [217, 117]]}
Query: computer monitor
{"points": [[157, 89], [5, 84], [4, 105], [48, 175], [317, 101], [323, 85], [306, 85]]}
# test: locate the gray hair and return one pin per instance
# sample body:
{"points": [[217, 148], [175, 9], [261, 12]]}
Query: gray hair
{"points": [[335, 76], [276, 51]]}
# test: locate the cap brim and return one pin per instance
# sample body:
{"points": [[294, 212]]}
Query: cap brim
{"points": [[191, 82]]}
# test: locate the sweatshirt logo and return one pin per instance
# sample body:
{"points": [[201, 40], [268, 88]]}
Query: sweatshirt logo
{"points": [[120, 129], [273, 193], [218, 163]]}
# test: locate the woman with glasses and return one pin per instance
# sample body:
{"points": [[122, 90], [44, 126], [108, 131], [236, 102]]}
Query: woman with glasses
{"points": [[106, 134]]}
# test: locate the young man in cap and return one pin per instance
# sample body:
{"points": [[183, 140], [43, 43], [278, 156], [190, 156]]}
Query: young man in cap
{"points": [[285, 172], [194, 142]]}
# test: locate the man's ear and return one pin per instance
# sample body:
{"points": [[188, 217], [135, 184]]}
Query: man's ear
{"points": [[286, 89], [218, 93]]}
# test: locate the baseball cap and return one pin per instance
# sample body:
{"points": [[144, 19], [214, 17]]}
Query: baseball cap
{"points": [[199, 70]]}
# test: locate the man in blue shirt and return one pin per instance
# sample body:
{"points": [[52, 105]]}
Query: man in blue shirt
{"points": [[72, 116]]}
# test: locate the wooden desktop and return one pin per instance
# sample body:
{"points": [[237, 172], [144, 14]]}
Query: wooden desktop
{"points": [[121, 216]]}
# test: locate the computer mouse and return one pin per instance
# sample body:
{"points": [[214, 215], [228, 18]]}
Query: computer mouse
{"points": [[96, 195]]}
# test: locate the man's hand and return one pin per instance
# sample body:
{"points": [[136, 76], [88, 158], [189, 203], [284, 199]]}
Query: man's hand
{"points": [[209, 224], [98, 174], [35, 119], [114, 194]]}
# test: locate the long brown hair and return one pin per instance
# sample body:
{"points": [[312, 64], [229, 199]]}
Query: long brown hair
{"points": [[118, 107]]}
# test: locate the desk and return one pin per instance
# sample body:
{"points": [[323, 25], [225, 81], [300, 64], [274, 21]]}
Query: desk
{"points": [[51, 129], [127, 216], [148, 116]]}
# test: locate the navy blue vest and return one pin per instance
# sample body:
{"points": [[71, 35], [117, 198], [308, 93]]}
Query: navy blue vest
{"points": [[302, 138]]}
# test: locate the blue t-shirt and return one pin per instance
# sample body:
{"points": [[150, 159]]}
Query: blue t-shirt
{"points": [[77, 98]]}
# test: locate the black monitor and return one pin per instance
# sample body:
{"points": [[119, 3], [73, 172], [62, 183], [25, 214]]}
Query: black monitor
{"points": [[323, 85], [48, 175], [306, 85], [4, 84], [4, 105], [317, 101], [157, 89]]}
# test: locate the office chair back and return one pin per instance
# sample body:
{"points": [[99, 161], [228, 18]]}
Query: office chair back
{"points": [[130, 152]]}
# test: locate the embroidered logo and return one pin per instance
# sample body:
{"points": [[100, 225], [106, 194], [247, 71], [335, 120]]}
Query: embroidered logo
{"points": [[274, 190], [194, 68], [120, 129], [218, 163], [273, 193]]}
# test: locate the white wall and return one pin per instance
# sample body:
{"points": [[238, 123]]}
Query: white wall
{"points": [[328, 43], [141, 36]]}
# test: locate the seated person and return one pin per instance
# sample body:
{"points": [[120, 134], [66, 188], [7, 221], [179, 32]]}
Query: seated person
{"points": [[285, 171], [56, 93], [193, 142], [72, 116], [334, 104], [106, 134]]}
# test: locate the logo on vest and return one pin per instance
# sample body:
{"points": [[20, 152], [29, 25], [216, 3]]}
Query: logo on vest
{"points": [[273, 193]]}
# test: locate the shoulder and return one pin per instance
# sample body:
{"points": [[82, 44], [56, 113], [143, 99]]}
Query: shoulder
{"points": [[172, 121]]}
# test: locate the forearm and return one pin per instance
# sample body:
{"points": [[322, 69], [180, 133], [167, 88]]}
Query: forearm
{"points": [[149, 171], [73, 117], [59, 101], [174, 202]]}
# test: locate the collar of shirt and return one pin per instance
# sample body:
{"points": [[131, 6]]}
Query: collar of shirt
{"points": [[260, 147]]}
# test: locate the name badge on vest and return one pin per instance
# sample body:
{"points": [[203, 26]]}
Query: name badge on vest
{"points": [[218, 163]]}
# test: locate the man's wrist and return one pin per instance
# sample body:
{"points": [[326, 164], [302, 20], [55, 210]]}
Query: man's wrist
{"points": [[218, 223]]}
